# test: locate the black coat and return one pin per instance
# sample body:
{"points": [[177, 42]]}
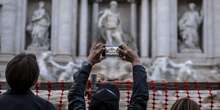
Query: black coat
{"points": [[138, 99], [12, 100]]}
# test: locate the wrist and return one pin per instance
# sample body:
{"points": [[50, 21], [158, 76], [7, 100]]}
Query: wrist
{"points": [[90, 62], [136, 62]]}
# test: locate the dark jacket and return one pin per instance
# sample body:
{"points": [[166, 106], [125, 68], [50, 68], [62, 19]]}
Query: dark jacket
{"points": [[139, 96], [12, 100]]}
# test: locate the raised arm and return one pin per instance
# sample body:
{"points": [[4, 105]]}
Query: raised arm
{"points": [[140, 93], [77, 91]]}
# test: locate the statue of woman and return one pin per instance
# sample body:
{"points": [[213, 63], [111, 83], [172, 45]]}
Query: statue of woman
{"points": [[39, 27], [189, 27]]}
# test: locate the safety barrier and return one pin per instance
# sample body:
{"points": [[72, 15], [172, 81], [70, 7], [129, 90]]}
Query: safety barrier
{"points": [[162, 94]]}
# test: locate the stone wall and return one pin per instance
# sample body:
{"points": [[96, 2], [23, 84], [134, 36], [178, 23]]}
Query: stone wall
{"points": [[153, 23]]}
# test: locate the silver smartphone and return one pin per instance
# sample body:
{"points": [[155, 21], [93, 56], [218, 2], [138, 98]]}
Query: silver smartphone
{"points": [[111, 51]]}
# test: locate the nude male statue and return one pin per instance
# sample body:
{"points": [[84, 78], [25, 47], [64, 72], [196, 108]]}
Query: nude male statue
{"points": [[110, 22]]}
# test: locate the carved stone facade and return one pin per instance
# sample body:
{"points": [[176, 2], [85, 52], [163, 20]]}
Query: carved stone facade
{"points": [[153, 24]]}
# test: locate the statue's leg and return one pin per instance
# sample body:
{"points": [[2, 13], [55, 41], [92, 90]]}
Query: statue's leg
{"points": [[34, 39], [189, 38], [196, 38], [192, 39], [118, 37], [40, 40], [109, 37], [184, 38]]}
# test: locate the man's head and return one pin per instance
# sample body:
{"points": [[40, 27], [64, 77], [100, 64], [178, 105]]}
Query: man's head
{"points": [[192, 6], [106, 98], [113, 5], [22, 72]]}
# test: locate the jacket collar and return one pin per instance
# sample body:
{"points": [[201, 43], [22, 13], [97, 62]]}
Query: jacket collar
{"points": [[16, 92]]}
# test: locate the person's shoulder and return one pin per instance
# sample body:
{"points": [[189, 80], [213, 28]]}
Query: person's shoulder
{"points": [[44, 103], [3, 98], [4, 101], [4, 95]]}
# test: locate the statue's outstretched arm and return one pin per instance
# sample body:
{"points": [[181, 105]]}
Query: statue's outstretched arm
{"points": [[56, 64]]}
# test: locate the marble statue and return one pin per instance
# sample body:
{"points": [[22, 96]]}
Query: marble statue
{"points": [[68, 70], [53, 71], [159, 66], [165, 69], [185, 71], [110, 23], [39, 28], [45, 70], [189, 25]]}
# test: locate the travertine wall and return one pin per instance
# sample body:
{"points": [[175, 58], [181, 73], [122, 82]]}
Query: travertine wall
{"points": [[69, 27]]}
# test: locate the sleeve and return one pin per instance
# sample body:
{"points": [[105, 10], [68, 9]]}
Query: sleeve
{"points": [[77, 91], [51, 107], [140, 93]]}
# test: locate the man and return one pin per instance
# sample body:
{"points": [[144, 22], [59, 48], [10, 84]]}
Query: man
{"points": [[107, 96], [189, 25], [111, 24], [21, 74]]}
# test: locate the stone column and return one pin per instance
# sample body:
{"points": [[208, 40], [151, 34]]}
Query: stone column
{"points": [[83, 32], [208, 28], [74, 37], [95, 13], [134, 19], [8, 31], [144, 35], [63, 34], [21, 26], [161, 28]]}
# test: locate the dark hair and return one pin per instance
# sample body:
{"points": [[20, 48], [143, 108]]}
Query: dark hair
{"points": [[185, 104], [22, 72]]}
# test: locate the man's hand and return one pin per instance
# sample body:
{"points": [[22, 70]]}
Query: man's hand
{"points": [[95, 55], [128, 54]]}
